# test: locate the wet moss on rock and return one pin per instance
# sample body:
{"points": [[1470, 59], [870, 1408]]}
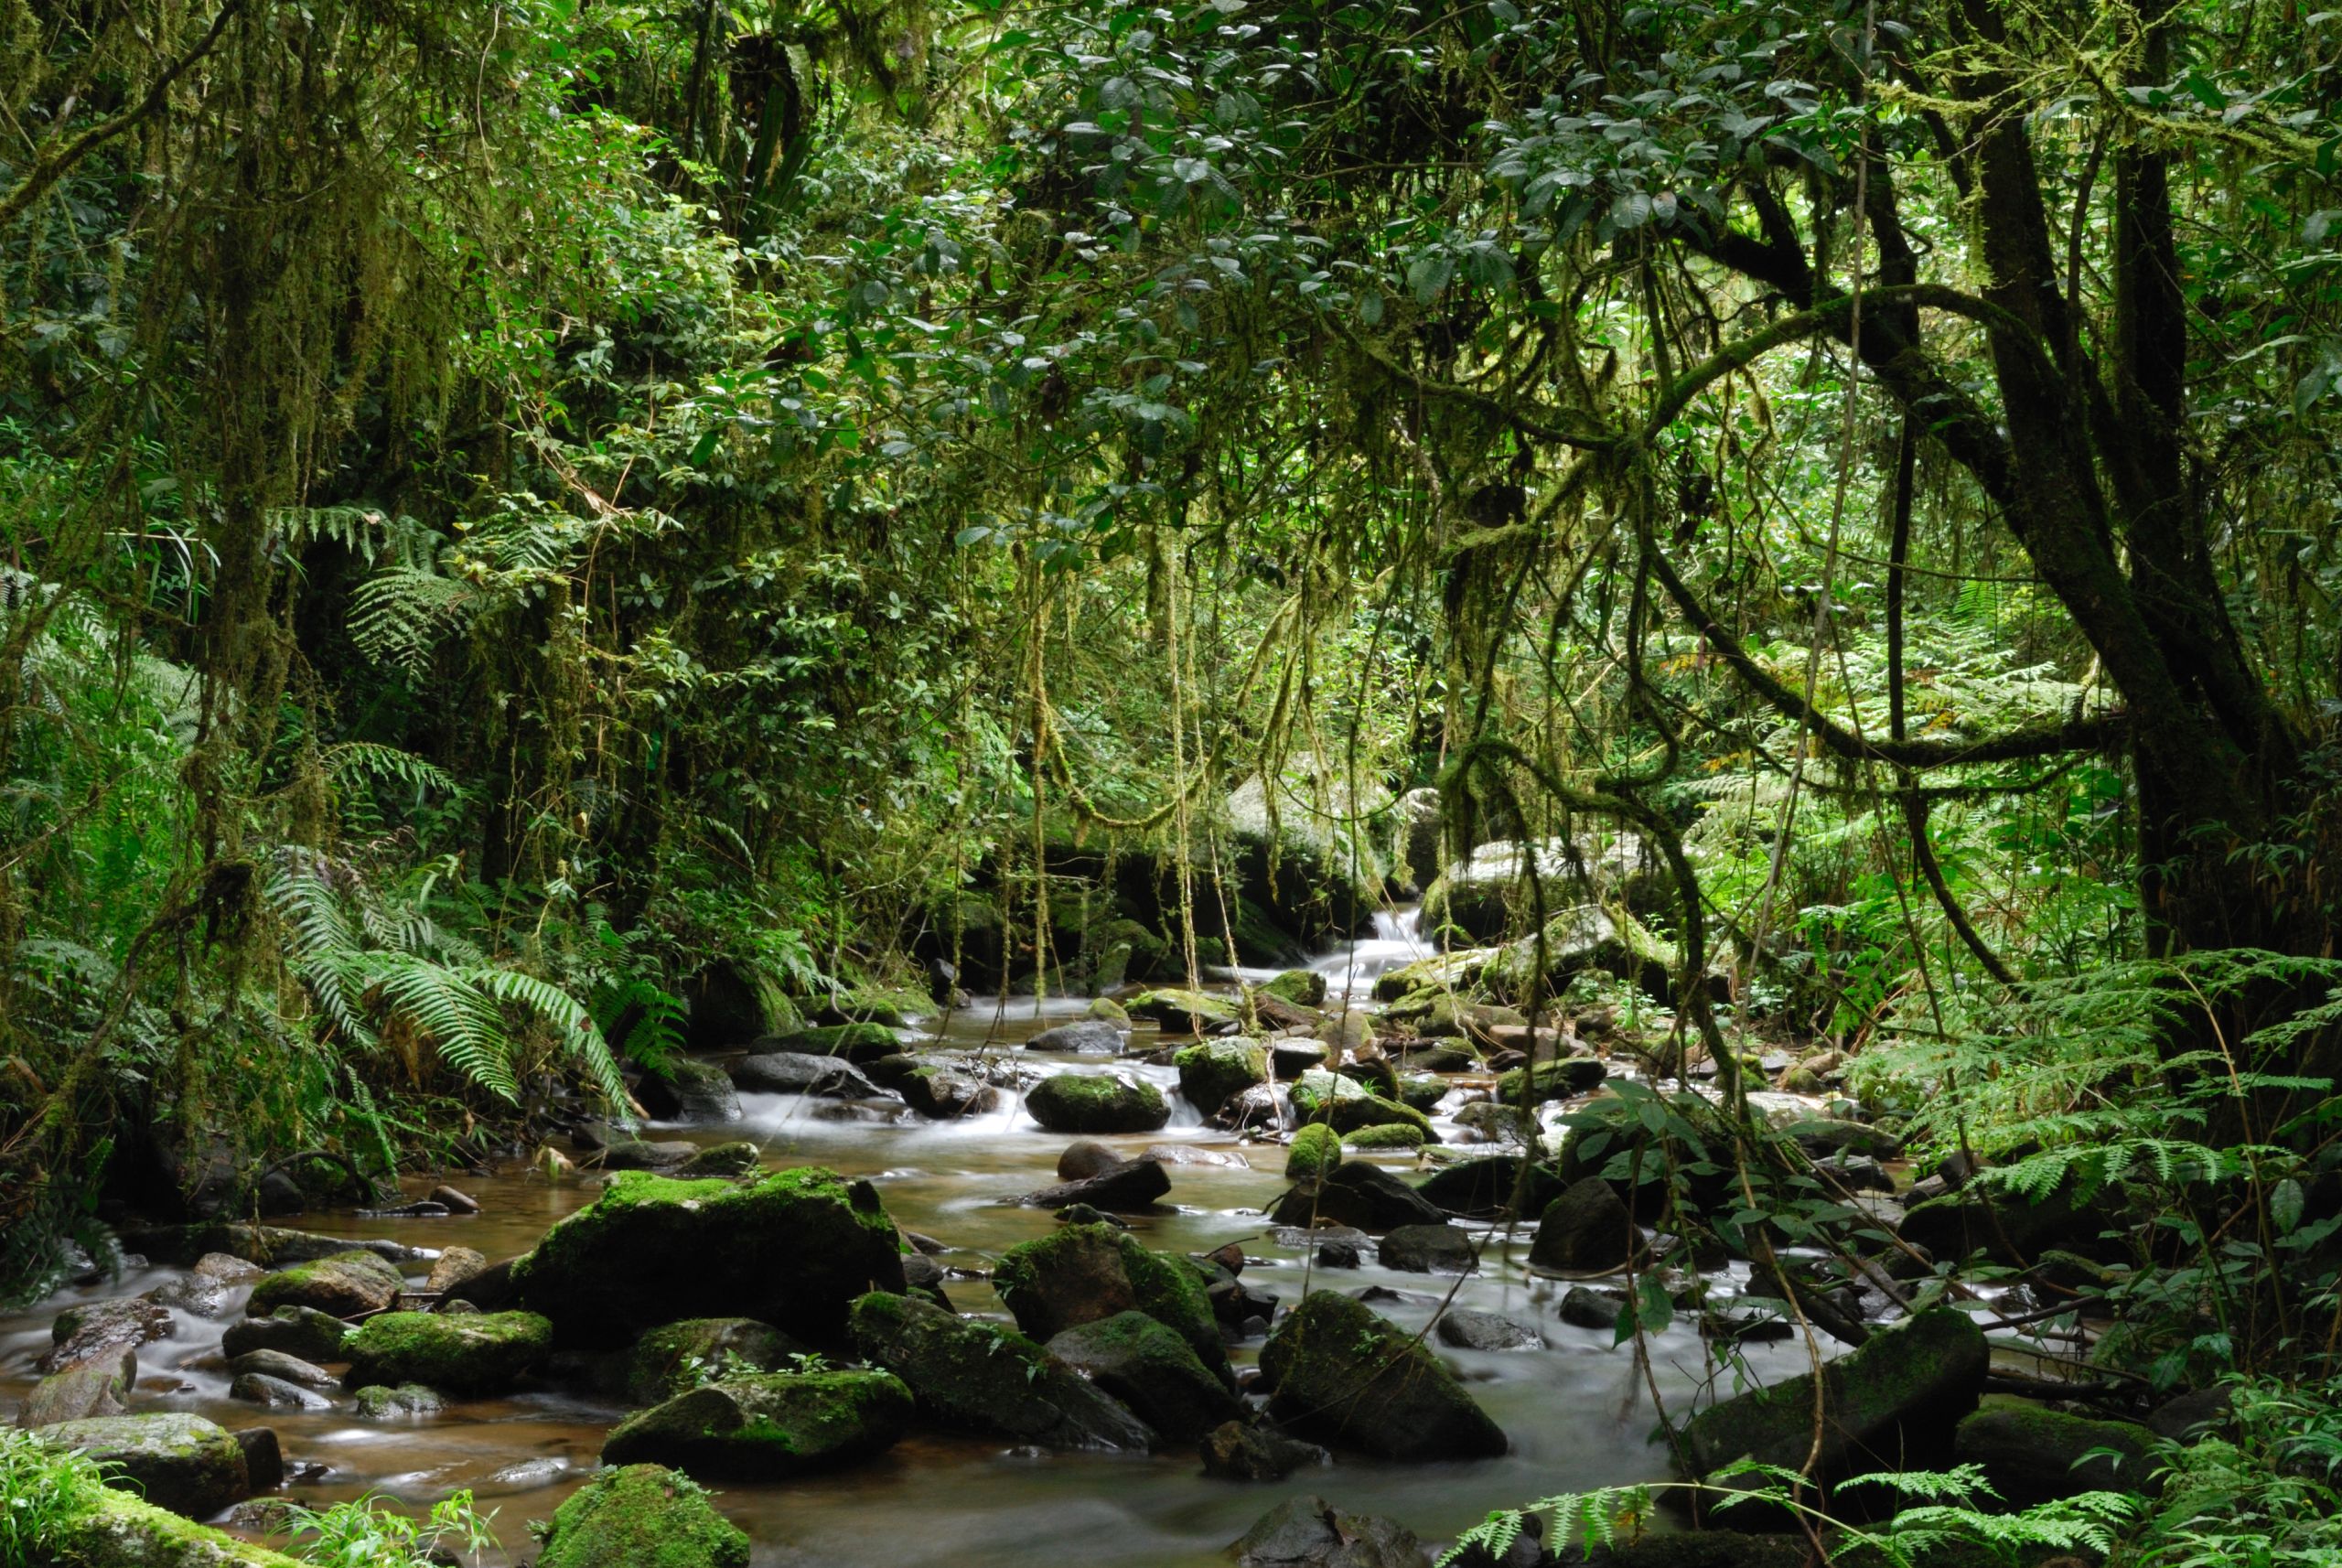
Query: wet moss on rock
{"points": [[1214, 1069], [983, 1377], [1096, 1102], [1342, 1375], [1083, 1274], [468, 1353], [1314, 1152], [767, 1427], [642, 1516], [343, 1284]]}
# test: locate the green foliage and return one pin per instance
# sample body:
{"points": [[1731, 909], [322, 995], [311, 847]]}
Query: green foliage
{"points": [[371, 1533], [43, 1490], [2259, 1489]]}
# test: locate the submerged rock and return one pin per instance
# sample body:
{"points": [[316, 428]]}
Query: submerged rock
{"points": [[1344, 1376], [1151, 1368], [302, 1331], [767, 1427], [1363, 1196], [1310, 1532], [344, 1285], [1083, 1274], [642, 1516], [468, 1353], [174, 1460], [791, 1248], [1234, 1450], [981, 1377], [677, 1357], [1106, 1102]]}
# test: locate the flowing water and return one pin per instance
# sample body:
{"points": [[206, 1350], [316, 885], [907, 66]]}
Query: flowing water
{"points": [[1577, 1412]]}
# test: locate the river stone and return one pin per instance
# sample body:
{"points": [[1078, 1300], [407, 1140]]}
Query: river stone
{"points": [[1150, 1368], [89, 1388], [1235, 1451], [642, 1516], [1891, 1403], [644, 1154], [1483, 1188], [1469, 1330], [302, 1331], [453, 1267], [1585, 1230], [2015, 1230], [1083, 1274], [1359, 1195], [376, 1402], [1564, 1079], [791, 1248], [1214, 1069], [1310, 1532], [677, 1357], [1288, 1059], [1341, 1375], [795, 1072], [1440, 1248], [2032, 1456], [983, 1377], [174, 1460], [1182, 1012], [1083, 1037], [767, 1427], [100, 1331], [276, 1393], [727, 1162], [689, 1090], [1130, 1187], [468, 1353], [344, 1285], [204, 1290], [1594, 1306], [1087, 1157], [857, 1043], [1347, 1105], [1109, 1102], [1314, 1151], [944, 1094], [289, 1369]]}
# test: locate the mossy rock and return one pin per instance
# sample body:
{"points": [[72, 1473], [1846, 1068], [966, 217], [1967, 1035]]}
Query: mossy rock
{"points": [[1578, 940], [1341, 1375], [1302, 987], [176, 1460], [1346, 1106], [642, 1516], [986, 1378], [1388, 1136], [1096, 1102], [344, 1285], [727, 1162], [1564, 1079], [468, 1353], [1106, 1010], [1083, 1274], [125, 1531], [857, 1043], [376, 1402], [1458, 972], [767, 1427], [302, 1331], [1420, 1091], [1152, 1370], [1314, 1152], [1182, 1012], [791, 1248], [1214, 1071], [894, 1006], [678, 1357], [2034, 1455]]}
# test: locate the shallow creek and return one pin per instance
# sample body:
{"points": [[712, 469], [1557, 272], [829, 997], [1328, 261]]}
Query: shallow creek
{"points": [[1578, 1411]]}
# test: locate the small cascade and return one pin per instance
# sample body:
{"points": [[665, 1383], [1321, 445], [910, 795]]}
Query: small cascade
{"points": [[1397, 941]]}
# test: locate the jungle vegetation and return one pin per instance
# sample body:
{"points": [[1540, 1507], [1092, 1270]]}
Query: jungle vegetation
{"points": [[524, 518]]}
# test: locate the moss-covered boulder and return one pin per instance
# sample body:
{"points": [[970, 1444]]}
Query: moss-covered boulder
{"points": [[1388, 1136], [89, 1388], [1152, 1370], [1564, 1079], [1420, 1091], [1182, 1012], [642, 1516], [767, 1427], [1302, 987], [857, 1043], [1211, 1070], [789, 1248], [1345, 1105], [174, 1460], [1341, 1374], [344, 1285], [1491, 1187], [1579, 938], [677, 1357], [1100, 1102], [1890, 1405], [407, 1401], [1083, 1274], [124, 1532], [1357, 1194], [984, 1377], [1314, 1152], [464, 1353], [302, 1331], [2034, 1455]]}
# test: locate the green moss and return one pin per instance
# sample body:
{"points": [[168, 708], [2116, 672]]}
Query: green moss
{"points": [[1212, 1071], [855, 1042], [125, 1531], [1341, 1374], [680, 1356], [1302, 987], [770, 1426], [476, 1352], [1081, 1273], [346, 1283], [1110, 1010], [1315, 1150], [1183, 1011], [1422, 1091], [984, 1377], [1388, 1136], [642, 1516], [1096, 1102], [1346, 1106], [891, 1005]]}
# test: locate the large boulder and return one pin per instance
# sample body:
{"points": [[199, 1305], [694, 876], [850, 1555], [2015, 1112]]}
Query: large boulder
{"points": [[1105, 1102], [2034, 1455], [1345, 1105], [302, 1331], [789, 1248], [688, 1090], [1890, 1405], [984, 1377], [174, 1460], [1359, 1195], [464, 1353], [1489, 1187], [945, 1094], [642, 1516], [345, 1284], [1588, 1229], [767, 1427], [800, 1072], [1341, 1374], [1083, 1274], [1151, 1368], [1310, 1532], [1211, 1070], [678, 1357]]}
